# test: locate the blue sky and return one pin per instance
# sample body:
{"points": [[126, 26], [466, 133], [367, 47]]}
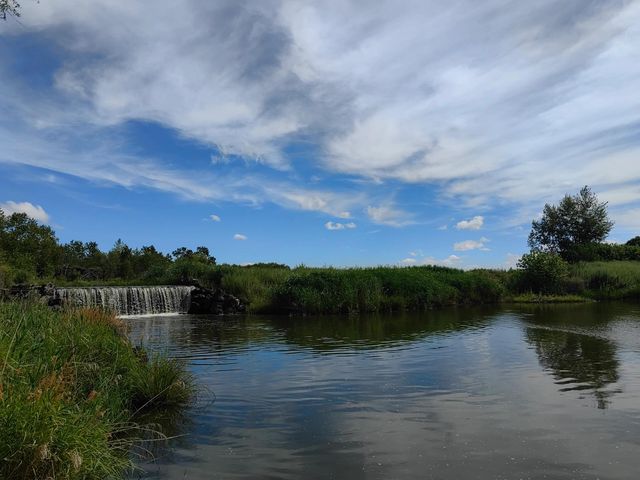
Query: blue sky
{"points": [[349, 133]]}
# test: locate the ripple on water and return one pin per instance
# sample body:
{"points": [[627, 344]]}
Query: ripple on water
{"points": [[451, 394]]}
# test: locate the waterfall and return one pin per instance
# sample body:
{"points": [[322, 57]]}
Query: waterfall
{"points": [[130, 300]]}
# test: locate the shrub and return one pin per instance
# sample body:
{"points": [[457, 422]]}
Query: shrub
{"points": [[542, 272]]}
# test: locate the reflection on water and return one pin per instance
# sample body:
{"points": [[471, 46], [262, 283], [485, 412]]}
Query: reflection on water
{"points": [[460, 393]]}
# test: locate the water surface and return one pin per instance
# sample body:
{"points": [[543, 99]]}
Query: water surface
{"points": [[499, 393]]}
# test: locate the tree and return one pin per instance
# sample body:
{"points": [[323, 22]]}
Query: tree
{"points": [[9, 7], [577, 220], [634, 242], [26, 245]]}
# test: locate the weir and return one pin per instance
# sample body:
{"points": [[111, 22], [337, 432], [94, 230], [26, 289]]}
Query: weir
{"points": [[130, 300]]}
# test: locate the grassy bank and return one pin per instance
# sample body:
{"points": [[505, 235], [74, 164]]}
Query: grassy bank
{"points": [[71, 391], [331, 290], [605, 280]]}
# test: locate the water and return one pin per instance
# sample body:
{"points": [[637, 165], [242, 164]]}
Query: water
{"points": [[506, 393], [130, 300]]}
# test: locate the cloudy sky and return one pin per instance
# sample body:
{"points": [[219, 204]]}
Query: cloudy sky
{"points": [[344, 133]]}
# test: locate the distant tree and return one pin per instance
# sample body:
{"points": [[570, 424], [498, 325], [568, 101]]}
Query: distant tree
{"points": [[634, 242], [27, 246], [200, 255], [9, 7], [577, 220], [120, 259]]}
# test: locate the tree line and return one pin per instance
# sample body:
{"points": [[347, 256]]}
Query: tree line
{"points": [[30, 251]]}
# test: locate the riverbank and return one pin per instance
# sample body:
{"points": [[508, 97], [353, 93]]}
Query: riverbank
{"points": [[269, 289], [278, 289], [73, 390]]}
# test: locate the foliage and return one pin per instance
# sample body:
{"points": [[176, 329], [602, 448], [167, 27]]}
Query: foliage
{"points": [[577, 220], [330, 290], [538, 298], [634, 242], [608, 280], [9, 7], [593, 252], [71, 389], [255, 285], [542, 272], [27, 246], [30, 252]]}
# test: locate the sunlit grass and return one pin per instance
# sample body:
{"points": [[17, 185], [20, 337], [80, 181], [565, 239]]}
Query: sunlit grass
{"points": [[614, 279], [71, 389]]}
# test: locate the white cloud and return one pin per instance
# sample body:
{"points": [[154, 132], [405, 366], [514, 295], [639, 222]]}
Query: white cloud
{"points": [[239, 236], [34, 211], [471, 245], [512, 260], [450, 261], [474, 224], [248, 78], [339, 226], [388, 215], [214, 218]]}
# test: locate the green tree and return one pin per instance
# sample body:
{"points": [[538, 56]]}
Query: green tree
{"points": [[634, 242], [9, 7], [577, 220], [27, 246]]}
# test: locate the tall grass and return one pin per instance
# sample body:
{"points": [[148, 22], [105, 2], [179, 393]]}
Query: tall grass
{"points": [[254, 285], [606, 280], [71, 389], [349, 290]]}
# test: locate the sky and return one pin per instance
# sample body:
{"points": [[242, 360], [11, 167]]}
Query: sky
{"points": [[325, 133]]}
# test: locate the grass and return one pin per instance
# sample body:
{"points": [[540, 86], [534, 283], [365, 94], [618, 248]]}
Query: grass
{"points": [[606, 280], [71, 390], [383, 289], [255, 285], [350, 290], [538, 298]]}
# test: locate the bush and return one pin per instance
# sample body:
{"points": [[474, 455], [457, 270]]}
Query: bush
{"points": [[542, 272]]}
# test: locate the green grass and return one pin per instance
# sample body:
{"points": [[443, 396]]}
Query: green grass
{"points": [[538, 298], [255, 285], [606, 280], [350, 290], [381, 289], [71, 390]]}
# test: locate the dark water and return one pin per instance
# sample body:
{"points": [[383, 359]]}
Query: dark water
{"points": [[509, 393]]}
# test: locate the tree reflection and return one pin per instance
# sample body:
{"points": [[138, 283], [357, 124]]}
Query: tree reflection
{"points": [[578, 361]]}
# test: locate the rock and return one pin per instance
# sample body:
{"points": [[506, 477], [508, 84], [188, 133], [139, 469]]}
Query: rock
{"points": [[217, 302]]}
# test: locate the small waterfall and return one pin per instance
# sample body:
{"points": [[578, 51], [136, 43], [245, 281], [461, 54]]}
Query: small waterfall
{"points": [[130, 300]]}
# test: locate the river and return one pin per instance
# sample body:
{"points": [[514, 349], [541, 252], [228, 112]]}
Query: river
{"points": [[467, 393]]}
